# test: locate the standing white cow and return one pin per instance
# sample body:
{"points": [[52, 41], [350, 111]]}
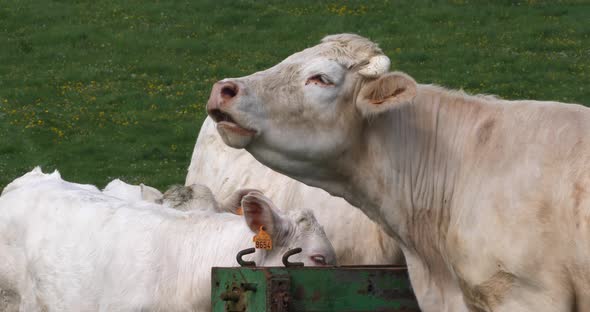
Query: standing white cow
{"points": [[356, 239], [489, 199], [67, 248]]}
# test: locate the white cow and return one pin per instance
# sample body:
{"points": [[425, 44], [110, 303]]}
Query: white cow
{"points": [[489, 199], [356, 239], [67, 248]]}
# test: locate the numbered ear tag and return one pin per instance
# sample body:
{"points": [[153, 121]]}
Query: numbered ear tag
{"points": [[262, 240], [240, 211]]}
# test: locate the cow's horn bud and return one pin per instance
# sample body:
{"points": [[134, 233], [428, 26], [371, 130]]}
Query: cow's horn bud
{"points": [[378, 65]]}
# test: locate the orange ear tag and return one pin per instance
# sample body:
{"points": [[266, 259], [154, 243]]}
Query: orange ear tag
{"points": [[262, 240], [240, 211]]}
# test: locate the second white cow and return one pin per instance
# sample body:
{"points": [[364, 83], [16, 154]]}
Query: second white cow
{"points": [[356, 239]]}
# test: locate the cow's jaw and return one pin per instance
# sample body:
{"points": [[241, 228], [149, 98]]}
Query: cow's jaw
{"points": [[232, 133]]}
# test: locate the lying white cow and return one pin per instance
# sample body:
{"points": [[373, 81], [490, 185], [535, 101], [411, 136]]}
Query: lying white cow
{"points": [[356, 239], [489, 199], [66, 248]]}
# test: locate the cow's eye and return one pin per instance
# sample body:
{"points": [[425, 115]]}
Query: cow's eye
{"points": [[319, 80], [318, 259]]}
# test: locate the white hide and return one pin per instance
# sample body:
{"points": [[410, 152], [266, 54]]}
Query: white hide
{"points": [[130, 192], [36, 176], [356, 239], [66, 248]]}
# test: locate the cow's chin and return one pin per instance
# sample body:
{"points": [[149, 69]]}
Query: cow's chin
{"points": [[233, 135]]}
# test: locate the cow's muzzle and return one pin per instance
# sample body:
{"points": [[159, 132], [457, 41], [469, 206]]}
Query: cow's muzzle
{"points": [[223, 97]]}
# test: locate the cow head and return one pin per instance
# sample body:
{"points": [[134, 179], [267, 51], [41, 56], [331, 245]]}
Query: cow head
{"points": [[309, 109], [295, 228]]}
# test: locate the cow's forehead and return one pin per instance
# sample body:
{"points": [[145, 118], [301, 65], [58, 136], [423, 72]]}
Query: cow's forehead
{"points": [[304, 219], [317, 51]]}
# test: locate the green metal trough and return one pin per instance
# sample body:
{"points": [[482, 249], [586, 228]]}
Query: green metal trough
{"points": [[312, 289]]}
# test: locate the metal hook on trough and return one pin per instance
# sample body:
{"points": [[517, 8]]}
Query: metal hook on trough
{"points": [[242, 253], [288, 254]]}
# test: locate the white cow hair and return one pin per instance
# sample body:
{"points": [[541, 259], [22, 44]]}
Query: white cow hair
{"points": [[123, 190], [34, 175], [150, 194], [369, 57], [37, 176]]}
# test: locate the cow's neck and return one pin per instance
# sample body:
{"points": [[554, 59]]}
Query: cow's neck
{"points": [[201, 240], [410, 166]]}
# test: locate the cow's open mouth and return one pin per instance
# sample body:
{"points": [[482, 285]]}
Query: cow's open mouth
{"points": [[225, 121], [220, 116]]}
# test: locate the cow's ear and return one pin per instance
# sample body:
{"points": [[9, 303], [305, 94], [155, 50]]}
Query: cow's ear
{"points": [[260, 211], [233, 203], [386, 92], [150, 194]]}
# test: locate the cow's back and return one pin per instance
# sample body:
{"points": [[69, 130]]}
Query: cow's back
{"points": [[65, 236]]}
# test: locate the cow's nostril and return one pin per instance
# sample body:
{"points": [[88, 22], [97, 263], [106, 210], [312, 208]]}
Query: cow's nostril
{"points": [[229, 91]]}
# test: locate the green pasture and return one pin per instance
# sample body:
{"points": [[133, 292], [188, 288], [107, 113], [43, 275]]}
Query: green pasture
{"points": [[117, 88]]}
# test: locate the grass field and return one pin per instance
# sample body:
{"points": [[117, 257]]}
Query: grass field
{"points": [[113, 88]]}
